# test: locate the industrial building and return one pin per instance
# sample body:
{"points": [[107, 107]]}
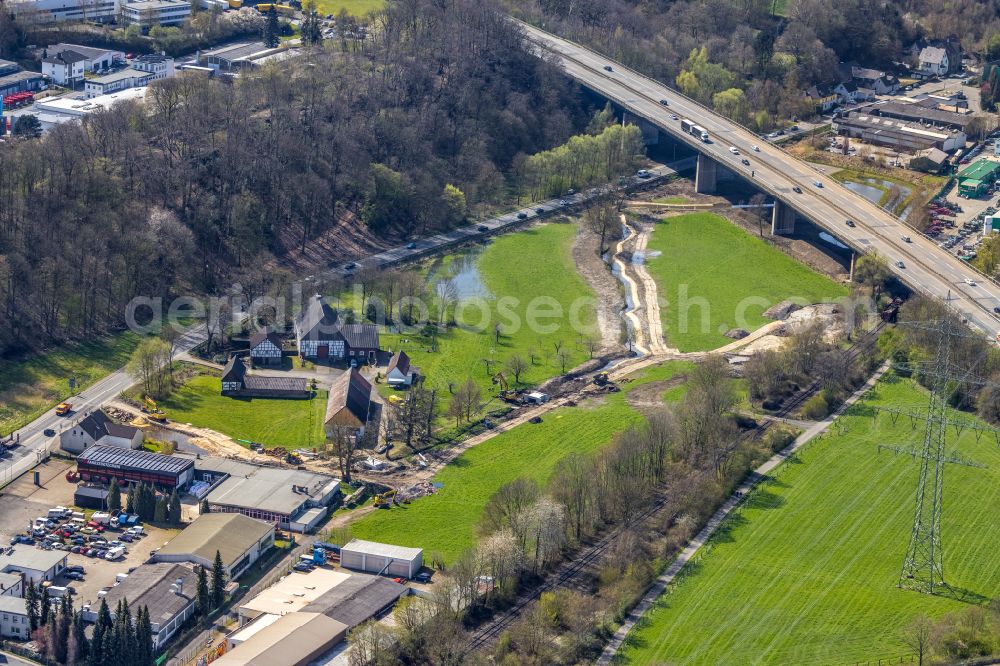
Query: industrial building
{"points": [[926, 115], [103, 463], [168, 591], [16, 82], [381, 558], [897, 134], [239, 540], [293, 499], [975, 179], [149, 13], [33, 563], [293, 639], [56, 110], [247, 55], [111, 83]]}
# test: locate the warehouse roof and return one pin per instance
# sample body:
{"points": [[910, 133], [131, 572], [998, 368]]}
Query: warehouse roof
{"points": [[383, 549], [979, 170], [152, 585], [357, 599], [295, 591], [122, 75], [114, 457], [923, 113], [294, 638], [32, 558], [231, 534], [265, 488]]}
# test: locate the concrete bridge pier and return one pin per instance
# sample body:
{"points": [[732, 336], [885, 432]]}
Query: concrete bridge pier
{"points": [[706, 175], [650, 132], [782, 219]]}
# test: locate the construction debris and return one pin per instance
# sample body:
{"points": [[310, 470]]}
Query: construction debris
{"points": [[415, 491]]}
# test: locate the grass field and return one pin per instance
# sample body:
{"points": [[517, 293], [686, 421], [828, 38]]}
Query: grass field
{"points": [[445, 522], [359, 8], [515, 270], [807, 573], [30, 387], [714, 276], [288, 423]]}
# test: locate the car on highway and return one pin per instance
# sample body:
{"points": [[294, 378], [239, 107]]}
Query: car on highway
{"points": [[540, 211], [482, 228], [900, 264], [673, 117], [664, 102], [734, 150], [970, 282], [745, 161], [522, 216], [608, 68], [851, 224], [756, 149], [411, 246], [797, 189], [817, 183], [907, 239], [997, 309], [64, 409], [643, 173], [49, 432]]}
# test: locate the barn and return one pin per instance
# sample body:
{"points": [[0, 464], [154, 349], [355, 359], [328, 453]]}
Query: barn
{"points": [[238, 382], [349, 405], [381, 558], [321, 335]]}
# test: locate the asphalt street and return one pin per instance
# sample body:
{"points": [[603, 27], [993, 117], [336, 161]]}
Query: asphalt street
{"points": [[925, 268]]}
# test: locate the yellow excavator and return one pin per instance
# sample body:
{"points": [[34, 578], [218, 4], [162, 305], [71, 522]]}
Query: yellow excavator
{"points": [[152, 411], [505, 392], [384, 500]]}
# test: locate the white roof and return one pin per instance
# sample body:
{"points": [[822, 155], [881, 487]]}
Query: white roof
{"points": [[80, 107], [8, 580], [25, 557], [383, 550], [9, 604], [294, 592], [248, 630]]}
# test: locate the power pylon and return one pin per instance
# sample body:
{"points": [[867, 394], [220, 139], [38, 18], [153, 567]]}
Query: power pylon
{"points": [[923, 566]]}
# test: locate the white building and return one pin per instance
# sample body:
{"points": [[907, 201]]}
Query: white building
{"points": [[160, 66], [98, 428], [13, 618], [30, 12], [11, 585], [98, 59], [381, 558], [933, 61], [149, 13], [34, 563], [400, 372], [112, 83], [65, 68]]}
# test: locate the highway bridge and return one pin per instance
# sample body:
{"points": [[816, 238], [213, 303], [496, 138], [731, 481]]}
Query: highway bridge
{"points": [[798, 188]]}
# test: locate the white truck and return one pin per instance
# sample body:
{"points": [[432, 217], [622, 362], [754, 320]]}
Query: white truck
{"points": [[688, 127]]}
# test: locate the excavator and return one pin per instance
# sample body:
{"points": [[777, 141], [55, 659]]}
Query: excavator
{"points": [[153, 413], [506, 393], [384, 500]]}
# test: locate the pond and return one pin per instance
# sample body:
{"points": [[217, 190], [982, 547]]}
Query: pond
{"points": [[874, 189], [462, 270]]}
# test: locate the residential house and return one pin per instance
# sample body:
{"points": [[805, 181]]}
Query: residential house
{"points": [[349, 405], [822, 97], [98, 60], [933, 61], [112, 83], [265, 348], [65, 68], [880, 83], [14, 618], [238, 382], [400, 372], [97, 428], [847, 93], [321, 335]]}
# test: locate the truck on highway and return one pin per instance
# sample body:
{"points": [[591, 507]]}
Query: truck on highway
{"points": [[689, 127]]}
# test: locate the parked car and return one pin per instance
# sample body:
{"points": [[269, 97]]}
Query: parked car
{"points": [[74, 575], [303, 567]]}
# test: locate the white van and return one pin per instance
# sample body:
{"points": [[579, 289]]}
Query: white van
{"points": [[120, 577], [58, 591], [115, 553], [57, 513], [78, 523], [77, 515]]}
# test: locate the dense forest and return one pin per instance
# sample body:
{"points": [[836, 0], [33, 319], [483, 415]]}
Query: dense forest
{"points": [[752, 59], [209, 180]]}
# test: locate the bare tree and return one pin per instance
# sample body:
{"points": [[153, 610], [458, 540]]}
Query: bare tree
{"points": [[563, 356], [343, 443], [601, 220], [517, 365], [757, 201], [918, 636]]}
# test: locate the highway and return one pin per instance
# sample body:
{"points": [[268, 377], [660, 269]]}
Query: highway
{"points": [[926, 269]]}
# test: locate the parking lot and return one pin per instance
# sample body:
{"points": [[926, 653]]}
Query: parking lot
{"points": [[23, 501]]}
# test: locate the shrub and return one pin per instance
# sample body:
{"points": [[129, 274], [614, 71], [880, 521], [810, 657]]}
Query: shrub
{"points": [[816, 408]]}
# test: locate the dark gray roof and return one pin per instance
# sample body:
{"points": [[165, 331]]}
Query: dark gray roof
{"points": [[134, 460], [399, 360], [150, 585], [357, 599], [66, 57], [259, 337], [360, 336], [315, 318], [264, 383], [923, 113], [153, 58], [97, 424], [235, 370]]}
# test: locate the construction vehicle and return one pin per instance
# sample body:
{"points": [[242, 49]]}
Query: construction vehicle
{"points": [[63, 409], [152, 411], [385, 500], [601, 378], [506, 393]]}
